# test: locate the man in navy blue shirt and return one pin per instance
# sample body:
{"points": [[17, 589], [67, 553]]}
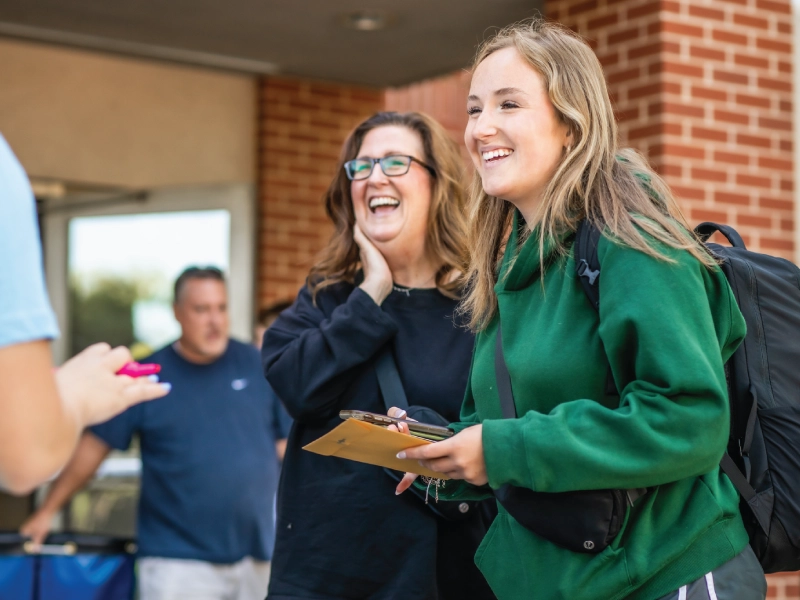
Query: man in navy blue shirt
{"points": [[209, 464]]}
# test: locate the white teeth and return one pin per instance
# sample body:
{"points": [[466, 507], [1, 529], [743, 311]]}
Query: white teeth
{"points": [[496, 153], [383, 201]]}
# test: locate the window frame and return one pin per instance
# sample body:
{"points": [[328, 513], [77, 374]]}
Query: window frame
{"points": [[237, 199]]}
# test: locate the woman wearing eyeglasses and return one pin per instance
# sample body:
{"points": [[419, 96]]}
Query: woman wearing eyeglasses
{"points": [[385, 283]]}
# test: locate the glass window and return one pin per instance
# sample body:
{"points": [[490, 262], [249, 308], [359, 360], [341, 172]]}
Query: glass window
{"points": [[121, 269]]}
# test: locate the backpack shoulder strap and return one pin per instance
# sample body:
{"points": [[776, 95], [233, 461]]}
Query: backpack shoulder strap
{"points": [[587, 263], [737, 478], [587, 266], [762, 512]]}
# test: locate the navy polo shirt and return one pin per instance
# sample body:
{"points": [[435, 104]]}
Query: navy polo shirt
{"points": [[209, 468]]}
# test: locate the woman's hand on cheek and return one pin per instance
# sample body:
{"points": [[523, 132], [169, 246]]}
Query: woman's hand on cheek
{"points": [[377, 275], [460, 457]]}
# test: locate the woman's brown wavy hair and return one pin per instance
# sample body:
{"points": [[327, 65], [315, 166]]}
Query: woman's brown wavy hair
{"points": [[614, 188], [446, 239]]}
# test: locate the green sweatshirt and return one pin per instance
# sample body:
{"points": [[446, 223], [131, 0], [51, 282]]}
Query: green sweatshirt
{"points": [[666, 329]]}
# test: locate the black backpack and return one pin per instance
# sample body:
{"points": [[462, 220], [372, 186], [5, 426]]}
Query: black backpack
{"points": [[763, 458]]}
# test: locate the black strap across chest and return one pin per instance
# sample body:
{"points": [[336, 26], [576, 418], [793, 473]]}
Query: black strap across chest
{"points": [[389, 380], [503, 378]]}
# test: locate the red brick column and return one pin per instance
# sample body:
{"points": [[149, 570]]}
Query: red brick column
{"points": [[703, 87], [443, 98], [302, 126]]}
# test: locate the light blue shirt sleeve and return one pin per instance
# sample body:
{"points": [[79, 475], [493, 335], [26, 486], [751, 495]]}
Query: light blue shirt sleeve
{"points": [[25, 311]]}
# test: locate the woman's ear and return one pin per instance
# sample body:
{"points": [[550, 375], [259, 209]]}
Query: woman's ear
{"points": [[568, 140]]}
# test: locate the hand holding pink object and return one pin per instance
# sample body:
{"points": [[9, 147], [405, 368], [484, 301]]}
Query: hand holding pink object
{"points": [[90, 383]]}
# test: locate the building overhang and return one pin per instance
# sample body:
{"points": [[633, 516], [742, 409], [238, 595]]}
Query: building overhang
{"points": [[377, 43]]}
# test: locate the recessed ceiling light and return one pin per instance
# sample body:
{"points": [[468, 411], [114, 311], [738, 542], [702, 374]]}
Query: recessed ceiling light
{"points": [[365, 21]]}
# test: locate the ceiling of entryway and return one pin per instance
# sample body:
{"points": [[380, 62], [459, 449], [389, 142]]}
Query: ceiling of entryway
{"points": [[308, 38]]}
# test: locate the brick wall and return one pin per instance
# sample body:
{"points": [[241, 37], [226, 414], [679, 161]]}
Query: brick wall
{"points": [[444, 98], [784, 587], [302, 126], [703, 87]]}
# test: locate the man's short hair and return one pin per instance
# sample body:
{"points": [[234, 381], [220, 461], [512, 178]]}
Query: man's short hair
{"points": [[270, 312], [196, 273]]}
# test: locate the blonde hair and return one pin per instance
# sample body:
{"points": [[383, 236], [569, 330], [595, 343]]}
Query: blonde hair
{"points": [[614, 189], [446, 235]]}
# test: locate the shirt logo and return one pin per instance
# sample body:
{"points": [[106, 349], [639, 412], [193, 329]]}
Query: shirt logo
{"points": [[239, 384]]}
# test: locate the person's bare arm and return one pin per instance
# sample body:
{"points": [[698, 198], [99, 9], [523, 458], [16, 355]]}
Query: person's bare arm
{"points": [[43, 413], [90, 452], [38, 430], [280, 448]]}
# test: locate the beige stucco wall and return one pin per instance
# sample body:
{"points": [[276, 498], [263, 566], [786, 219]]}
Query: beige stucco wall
{"points": [[102, 119]]}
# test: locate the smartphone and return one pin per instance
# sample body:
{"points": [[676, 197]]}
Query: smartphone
{"points": [[425, 431]]}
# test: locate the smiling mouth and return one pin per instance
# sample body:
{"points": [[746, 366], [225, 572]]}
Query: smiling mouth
{"points": [[383, 204], [496, 155]]}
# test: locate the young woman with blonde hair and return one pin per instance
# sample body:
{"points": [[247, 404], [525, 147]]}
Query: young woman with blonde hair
{"points": [[625, 401], [386, 286]]}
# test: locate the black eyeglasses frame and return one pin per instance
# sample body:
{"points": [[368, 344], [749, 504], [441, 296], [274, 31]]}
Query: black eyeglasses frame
{"points": [[429, 168]]}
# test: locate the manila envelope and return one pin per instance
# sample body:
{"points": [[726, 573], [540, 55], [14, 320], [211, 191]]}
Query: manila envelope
{"points": [[372, 444]]}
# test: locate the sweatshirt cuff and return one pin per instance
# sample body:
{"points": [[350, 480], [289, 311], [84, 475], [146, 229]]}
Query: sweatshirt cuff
{"points": [[505, 454], [460, 426], [364, 306]]}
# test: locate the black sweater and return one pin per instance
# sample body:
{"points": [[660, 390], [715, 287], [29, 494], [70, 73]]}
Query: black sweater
{"points": [[342, 532]]}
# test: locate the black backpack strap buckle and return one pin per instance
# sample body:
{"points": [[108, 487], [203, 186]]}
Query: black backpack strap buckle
{"points": [[585, 271], [587, 263]]}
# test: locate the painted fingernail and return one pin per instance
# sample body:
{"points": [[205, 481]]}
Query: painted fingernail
{"points": [[166, 386], [401, 454], [400, 414], [153, 378]]}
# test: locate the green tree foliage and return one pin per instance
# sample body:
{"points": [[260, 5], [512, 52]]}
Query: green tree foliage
{"points": [[101, 313]]}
